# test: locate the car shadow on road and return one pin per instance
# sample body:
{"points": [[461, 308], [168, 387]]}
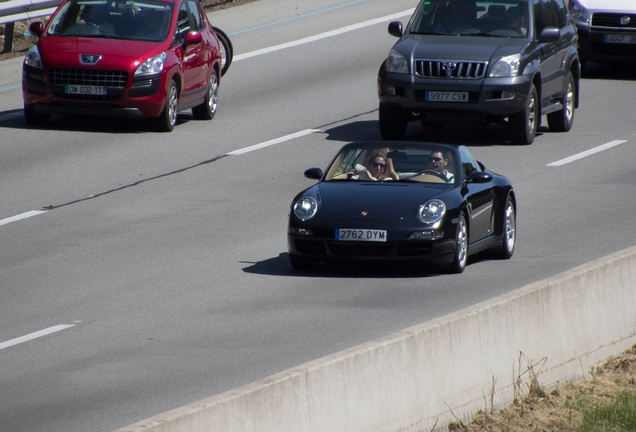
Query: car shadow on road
{"points": [[14, 119], [368, 130], [279, 266], [609, 71]]}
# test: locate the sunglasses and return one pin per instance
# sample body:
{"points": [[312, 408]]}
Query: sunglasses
{"points": [[378, 164], [436, 159]]}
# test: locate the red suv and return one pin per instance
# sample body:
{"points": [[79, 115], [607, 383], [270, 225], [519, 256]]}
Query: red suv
{"points": [[106, 57]]}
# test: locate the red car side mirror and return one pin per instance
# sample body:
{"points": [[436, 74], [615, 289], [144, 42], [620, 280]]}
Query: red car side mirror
{"points": [[193, 38]]}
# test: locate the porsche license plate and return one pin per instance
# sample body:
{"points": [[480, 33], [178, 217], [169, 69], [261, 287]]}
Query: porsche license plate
{"points": [[432, 96], [85, 90], [345, 234], [619, 38]]}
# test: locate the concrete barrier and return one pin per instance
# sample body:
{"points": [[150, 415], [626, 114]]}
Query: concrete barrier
{"points": [[423, 377]]}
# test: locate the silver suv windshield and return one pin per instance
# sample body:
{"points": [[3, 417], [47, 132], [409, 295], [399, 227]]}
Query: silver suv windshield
{"points": [[493, 18]]}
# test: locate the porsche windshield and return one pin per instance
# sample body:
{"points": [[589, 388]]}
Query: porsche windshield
{"points": [[496, 18], [136, 20], [425, 165]]}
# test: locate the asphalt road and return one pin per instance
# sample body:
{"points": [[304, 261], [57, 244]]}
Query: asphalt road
{"points": [[164, 255]]}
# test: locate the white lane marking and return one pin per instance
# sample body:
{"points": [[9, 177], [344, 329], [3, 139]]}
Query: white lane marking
{"points": [[21, 216], [322, 35], [35, 335], [273, 142], [581, 155]]}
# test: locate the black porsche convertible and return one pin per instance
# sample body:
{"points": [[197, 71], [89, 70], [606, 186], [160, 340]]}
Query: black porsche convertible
{"points": [[409, 201]]}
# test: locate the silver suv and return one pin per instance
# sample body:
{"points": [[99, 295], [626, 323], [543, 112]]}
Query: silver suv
{"points": [[480, 62], [607, 29]]}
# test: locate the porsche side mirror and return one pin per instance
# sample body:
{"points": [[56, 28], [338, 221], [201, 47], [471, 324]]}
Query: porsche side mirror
{"points": [[313, 173], [479, 177], [395, 29]]}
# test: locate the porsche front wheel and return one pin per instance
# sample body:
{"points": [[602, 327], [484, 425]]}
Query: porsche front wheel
{"points": [[461, 246]]}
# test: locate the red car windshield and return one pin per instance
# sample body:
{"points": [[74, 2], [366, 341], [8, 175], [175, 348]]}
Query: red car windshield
{"points": [[135, 20]]}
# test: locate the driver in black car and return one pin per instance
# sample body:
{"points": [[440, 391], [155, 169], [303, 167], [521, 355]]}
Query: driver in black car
{"points": [[438, 162]]}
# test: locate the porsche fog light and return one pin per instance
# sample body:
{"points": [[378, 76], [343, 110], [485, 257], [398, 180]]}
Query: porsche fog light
{"points": [[305, 208], [432, 211], [509, 94], [302, 231], [427, 235]]}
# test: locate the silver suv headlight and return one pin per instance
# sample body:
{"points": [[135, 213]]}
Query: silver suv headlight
{"points": [[579, 12], [507, 66], [397, 63], [33, 58], [432, 211], [153, 65], [305, 208]]}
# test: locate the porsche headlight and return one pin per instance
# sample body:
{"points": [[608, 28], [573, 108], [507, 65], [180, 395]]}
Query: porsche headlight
{"points": [[507, 66], [153, 65], [579, 12], [432, 211], [33, 58], [397, 63], [305, 208]]}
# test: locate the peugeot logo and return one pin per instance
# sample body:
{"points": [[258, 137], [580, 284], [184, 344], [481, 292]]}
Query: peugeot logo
{"points": [[90, 59], [449, 67], [625, 20]]}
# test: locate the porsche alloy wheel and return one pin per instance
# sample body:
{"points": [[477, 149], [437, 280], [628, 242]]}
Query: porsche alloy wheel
{"points": [[168, 117], [207, 109], [461, 246], [509, 231], [523, 125]]}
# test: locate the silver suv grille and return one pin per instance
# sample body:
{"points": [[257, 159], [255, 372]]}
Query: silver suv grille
{"points": [[613, 20], [450, 69]]}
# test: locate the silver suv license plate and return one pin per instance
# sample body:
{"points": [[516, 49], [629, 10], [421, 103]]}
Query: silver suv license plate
{"points": [[446, 96]]}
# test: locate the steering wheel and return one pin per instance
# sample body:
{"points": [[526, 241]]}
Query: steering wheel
{"points": [[432, 172]]}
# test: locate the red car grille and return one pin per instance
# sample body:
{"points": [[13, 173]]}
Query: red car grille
{"points": [[114, 80]]}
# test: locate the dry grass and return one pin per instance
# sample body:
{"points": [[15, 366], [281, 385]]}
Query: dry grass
{"points": [[563, 409]]}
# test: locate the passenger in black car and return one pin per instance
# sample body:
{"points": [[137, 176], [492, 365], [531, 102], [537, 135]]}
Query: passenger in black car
{"points": [[379, 168]]}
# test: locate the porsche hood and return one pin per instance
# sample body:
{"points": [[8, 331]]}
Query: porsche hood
{"points": [[373, 200]]}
